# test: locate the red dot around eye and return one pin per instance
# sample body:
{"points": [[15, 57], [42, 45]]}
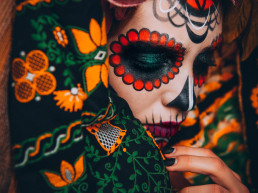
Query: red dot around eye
{"points": [[180, 58], [200, 82], [138, 84], [155, 37], [175, 70], [178, 63], [171, 43], [120, 70], [114, 60], [157, 83], [178, 47], [164, 79], [144, 35], [132, 36], [170, 75], [128, 78], [148, 85], [116, 47], [123, 40], [163, 40], [195, 80]]}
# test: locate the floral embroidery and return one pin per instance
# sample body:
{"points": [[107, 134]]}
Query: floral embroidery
{"points": [[68, 173], [254, 98], [31, 76], [89, 42], [95, 74], [71, 100], [108, 135], [60, 36], [31, 2]]}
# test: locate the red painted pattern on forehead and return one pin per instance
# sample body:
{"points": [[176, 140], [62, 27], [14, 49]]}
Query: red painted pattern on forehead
{"points": [[200, 4]]}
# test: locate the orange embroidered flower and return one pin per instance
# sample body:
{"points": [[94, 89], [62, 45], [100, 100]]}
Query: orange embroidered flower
{"points": [[88, 42], [31, 76], [95, 74], [254, 98], [71, 100], [31, 2], [60, 36], [68, 173]]}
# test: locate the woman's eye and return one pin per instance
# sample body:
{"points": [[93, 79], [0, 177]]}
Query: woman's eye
{"points": [[146, 59], [201, 65]]}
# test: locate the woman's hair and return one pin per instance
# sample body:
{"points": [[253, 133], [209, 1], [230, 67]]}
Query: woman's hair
{"points": [[119, 16]]}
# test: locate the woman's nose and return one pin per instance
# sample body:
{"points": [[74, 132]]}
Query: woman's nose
{"points": [[186, 100]]}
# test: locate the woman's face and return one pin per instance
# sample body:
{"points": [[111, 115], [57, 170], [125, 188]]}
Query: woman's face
{"points": [[160, 57]]}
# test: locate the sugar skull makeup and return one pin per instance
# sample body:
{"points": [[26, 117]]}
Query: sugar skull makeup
{"points": [[146, 59]]}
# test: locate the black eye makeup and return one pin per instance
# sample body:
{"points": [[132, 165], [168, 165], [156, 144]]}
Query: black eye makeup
{"points": [[146, 59], [201, 65]]}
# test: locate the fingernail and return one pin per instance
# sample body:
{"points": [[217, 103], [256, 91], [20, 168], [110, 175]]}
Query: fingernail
{"points": [[170, 161], [168, 150]]}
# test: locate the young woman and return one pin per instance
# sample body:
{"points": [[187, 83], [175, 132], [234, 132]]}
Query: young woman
{"points": [[70, 133], [159, 59]]}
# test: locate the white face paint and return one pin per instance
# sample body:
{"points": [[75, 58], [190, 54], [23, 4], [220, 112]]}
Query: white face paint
{"points": [[151, 107]]}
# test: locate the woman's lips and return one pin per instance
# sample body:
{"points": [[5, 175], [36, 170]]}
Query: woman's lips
{"points": [[163, 129]]}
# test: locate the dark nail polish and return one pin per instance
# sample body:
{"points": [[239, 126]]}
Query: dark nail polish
{"points": [[168, 150], [170, 161]]}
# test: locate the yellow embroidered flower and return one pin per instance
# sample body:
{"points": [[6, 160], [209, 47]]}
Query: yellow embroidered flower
{"points": [[69, 173], [88, 42], [71, 100], [254, 98], [95, 74], [60, 36]]}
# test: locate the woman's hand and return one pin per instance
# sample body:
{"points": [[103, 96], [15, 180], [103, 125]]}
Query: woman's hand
{"points": [[203, 161]]}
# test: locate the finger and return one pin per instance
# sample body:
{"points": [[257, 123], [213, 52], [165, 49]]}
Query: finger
{"points": [[211, 188], [212, 166], [178, 180], [236, 175], [184, 150]]}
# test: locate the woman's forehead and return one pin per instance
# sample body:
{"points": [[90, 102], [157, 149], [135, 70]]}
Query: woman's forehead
{"points": [[193, 24]]}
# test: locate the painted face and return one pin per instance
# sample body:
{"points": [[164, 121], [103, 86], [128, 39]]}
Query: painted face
{"points": [[159, 59]]}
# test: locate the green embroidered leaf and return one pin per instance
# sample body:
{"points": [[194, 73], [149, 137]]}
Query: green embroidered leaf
{"points": [[149, 153], [138, 172], [119, 185], [131, 190], [97, 174], [36, 37], [96, 159], [137, 187], [132, 177], [101, 183], [146, 161], [135, 153], [122, 190], [130, 159], [34, 23], [58, 59], [118, 166], [42, 45], [114, 178], [43, 36], [114, 190]]}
